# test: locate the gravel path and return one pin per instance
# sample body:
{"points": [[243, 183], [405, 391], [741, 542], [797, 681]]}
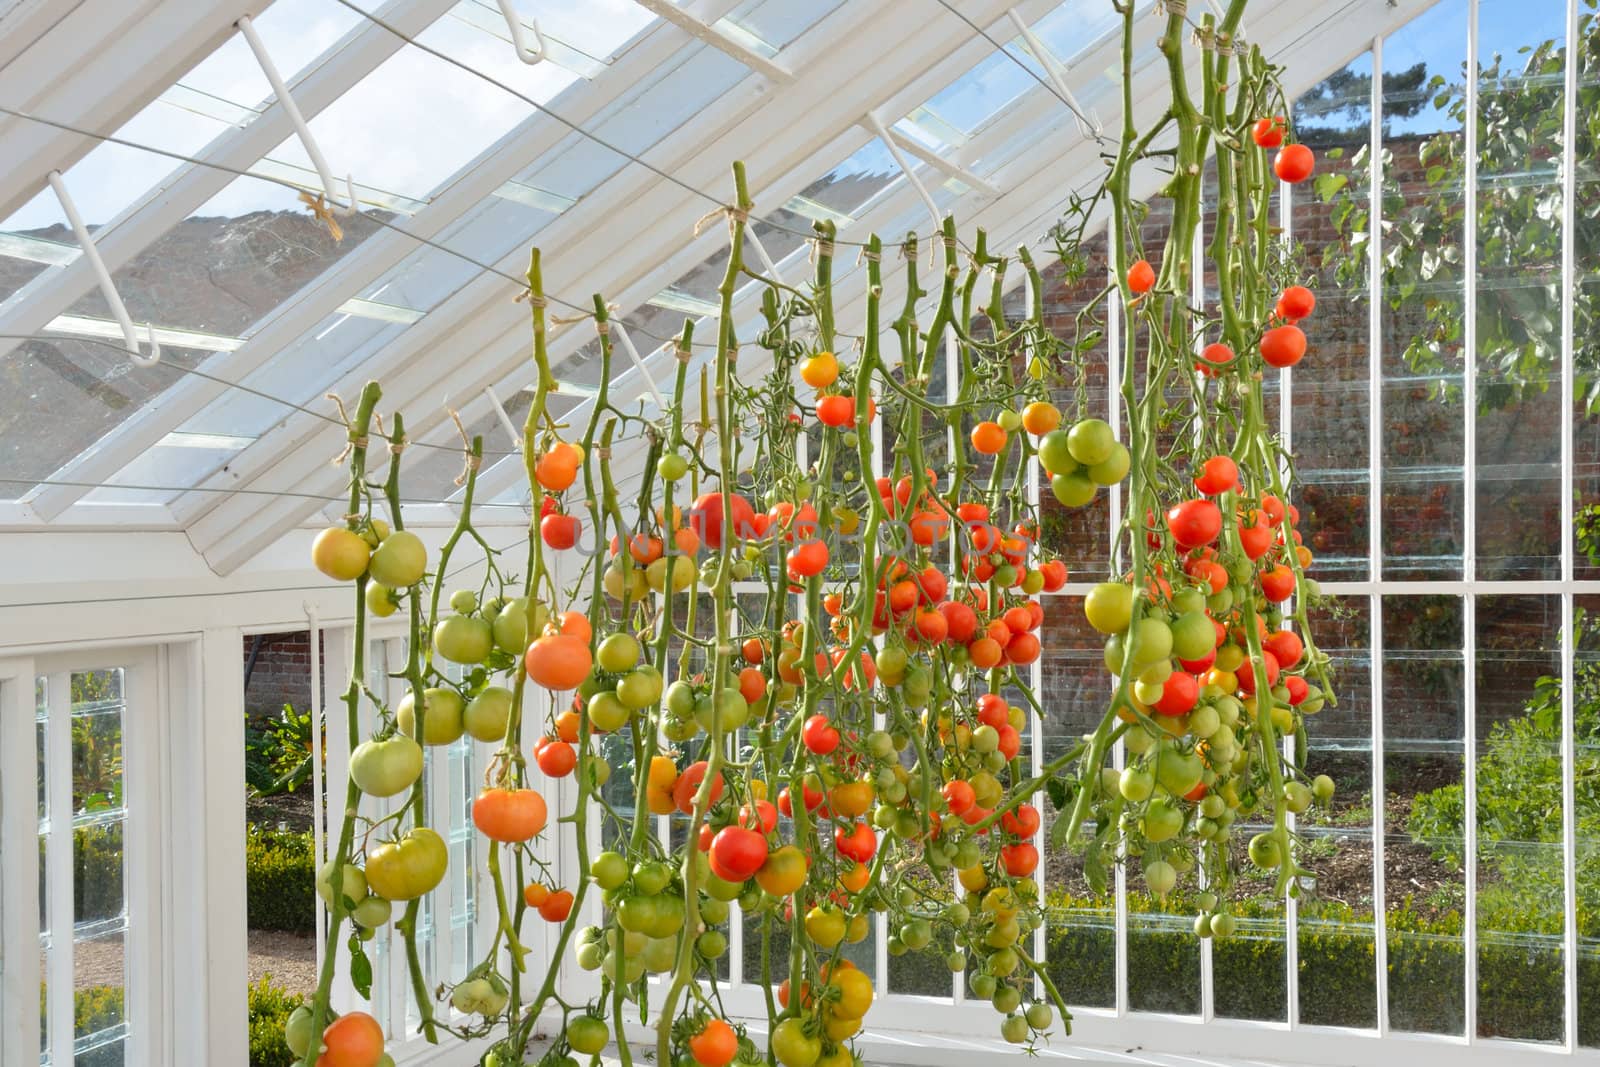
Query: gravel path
{"points": [[291, 960]]}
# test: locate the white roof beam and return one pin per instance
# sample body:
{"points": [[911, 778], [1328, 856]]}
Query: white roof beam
{"points": [[701, 31], [93, 66], [31, 308], [326, 293], [602, 240]]}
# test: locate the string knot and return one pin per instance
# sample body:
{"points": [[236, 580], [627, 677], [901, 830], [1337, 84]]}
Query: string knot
{"points": [[398, 445], [1175, 8], [603, 454], [683, 354]]}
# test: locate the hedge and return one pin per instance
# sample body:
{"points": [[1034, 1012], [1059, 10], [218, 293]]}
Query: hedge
{"points": [[280, 880], [97, 1008], [96, 872]]}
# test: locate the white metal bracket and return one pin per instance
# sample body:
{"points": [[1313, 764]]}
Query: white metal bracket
{"points": [[633, 354], [944, 166], [668, 11], [519, 35], [302, 129], [761, 250], [1089, 124], [505, 418], [108, 288], [905, 168]]}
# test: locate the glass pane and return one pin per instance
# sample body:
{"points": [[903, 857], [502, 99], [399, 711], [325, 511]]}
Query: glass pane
{"points": [[1080, 922], [1332, 406], [1586, 348], [1421, 329], [1520, 889], [1521, 60], [1423, 730], [1586, 718]]}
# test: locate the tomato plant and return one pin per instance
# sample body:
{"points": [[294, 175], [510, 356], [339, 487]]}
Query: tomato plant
{"points": [[813, 659]]}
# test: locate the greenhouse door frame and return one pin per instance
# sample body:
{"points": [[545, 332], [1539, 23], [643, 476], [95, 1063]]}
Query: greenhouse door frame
{"points": [[182, 757]]}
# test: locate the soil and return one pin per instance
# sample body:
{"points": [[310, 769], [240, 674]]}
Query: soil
{"points": [[293, 810]]}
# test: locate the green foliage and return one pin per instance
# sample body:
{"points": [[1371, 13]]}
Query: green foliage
{"points": [[94, 1008], [1519, 801], [96, 872], [280, 876], [270, 1006], [1519, 226], [277, 752]]}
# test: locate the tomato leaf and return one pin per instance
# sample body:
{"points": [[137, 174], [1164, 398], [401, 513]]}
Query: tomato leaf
{"points": [[360, 967]]}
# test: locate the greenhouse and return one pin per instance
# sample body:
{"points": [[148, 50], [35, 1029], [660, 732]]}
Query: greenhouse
{"points": [[799, 532]]}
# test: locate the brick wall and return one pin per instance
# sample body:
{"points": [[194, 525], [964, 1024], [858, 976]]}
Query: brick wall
{"points": [[282, 673]]}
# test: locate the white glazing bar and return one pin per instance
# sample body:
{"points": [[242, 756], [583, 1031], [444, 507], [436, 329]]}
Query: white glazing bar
{"points": [[1469, 535], [952, 372], [1036, 669], [58, 968], [1113, 415], [1380, 938], [1569, 294], [318, 834], [1197, 296], [876, 125], [1291, 905]]}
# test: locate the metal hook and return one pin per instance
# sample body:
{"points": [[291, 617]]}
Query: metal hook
{"points": [[519, 39], [108, 288], [290, 108]]}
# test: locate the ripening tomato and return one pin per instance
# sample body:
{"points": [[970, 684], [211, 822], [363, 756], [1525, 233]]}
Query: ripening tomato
{"points": [[510, 814], [1217, 475], [1298, 688], [1294, 163], [557, 469], [783, 872], [1040, 417], [1194, 523], [819, 735], [1141, 277], [931, 626], [557, 906], [1268, 132], [716, 1044], [558, 661], [1296, 303], [988, 438], [1055, 575], [1247, 674], [985, 653], [1283, 346], [353, 1040], [1022, 649], [820, 371], [813, 799], [1217, 353]]}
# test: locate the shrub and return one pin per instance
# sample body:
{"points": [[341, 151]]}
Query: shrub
{"points": [[280, 878], [270, 1006], [96, 872]]}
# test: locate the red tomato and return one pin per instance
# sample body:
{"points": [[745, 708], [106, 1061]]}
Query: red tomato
{"points": [[1294, 163], [813, 799], [1023, 821], [1179, 694], [560, 531], [931, 585], [1194, 523], [1287, 646], [1010, 742], [1247, 674], [762, 816], [962, 620], [819, 735], [555, 758], [1217, 353], [1268, 132], [715, 1045], [1298, 688], [1217, 475], [738, 852], [857, 842], [752, 684], [932, 627], [557, 906], [986, 652], [688, 784], [1022, 649], [705, 518], [1055, 575], [1255, 539], [1278, 583], [1297, 302], [352, 1040], [1141, 277], [993, 711], [1020, 859], [1283, 346], [809, 559], [958, 795]]}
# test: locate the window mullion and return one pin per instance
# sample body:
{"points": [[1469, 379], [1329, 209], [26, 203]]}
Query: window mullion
{"points": [[58, 869]]}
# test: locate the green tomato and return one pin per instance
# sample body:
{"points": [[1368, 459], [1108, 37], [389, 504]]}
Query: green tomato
{"points": [[1113, 468], [1136, 783], [712, 944], [400, 562], [590, 956], [297, 1030], [373, 912], [640, 687], [1109, 607], [588, 1035], [385, 768], [1266, 852], [381, 600], [1014, 1028], [463, 601], [463, 639], [1160, 876], [1322, 788], [1193, 635], [1006, 998], [485, 996], [486, 714], [353, 884], [1073, 490], [793, 1045], [1178, 771], [617, 653], [1055, 454], [1040, 1016], [984, 985], [607, 712], [671, 467], [1297, 795], [1162, 820], [409, 867], [1223, 924], [442, 716], [956, 961], [1091, 441], [1010, 421], [1152, 642]]}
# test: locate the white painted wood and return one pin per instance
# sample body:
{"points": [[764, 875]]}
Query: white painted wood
{"points": [[19, 890]]}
